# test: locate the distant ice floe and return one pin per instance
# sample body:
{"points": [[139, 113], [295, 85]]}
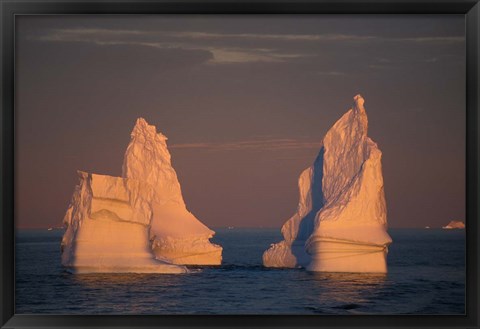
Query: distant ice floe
{"points": [[454, 224]]}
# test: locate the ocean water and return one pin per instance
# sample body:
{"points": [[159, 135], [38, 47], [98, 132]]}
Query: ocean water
{"points": [[426, 276]]}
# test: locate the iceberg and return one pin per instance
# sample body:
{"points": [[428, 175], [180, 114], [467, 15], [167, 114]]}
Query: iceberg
{"points": [[135, 223], [177, 235], [454, 224], [340, 224], [107, 228]]}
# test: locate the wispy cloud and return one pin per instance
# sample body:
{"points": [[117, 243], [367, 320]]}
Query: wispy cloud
{"points": [[283, 37], [386, 64], [78, 34], [208, 41], [253, 145], [331, 73], [442, 39], [81, 33], [311, 37], [239, 55], [220, 55]]}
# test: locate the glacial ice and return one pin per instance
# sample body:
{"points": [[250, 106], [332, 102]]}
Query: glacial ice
{"points": [[138, 222], [178, 236], [454, 224], [340, 223], [107, 227]]}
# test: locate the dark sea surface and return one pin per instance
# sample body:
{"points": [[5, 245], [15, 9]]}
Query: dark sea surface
{"points": [[426, 276]]}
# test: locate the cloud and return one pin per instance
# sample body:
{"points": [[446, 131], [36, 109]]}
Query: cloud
{"points": [[77, 34], [313, 37], [238, 55], [442, 39], [222, 54], [80, 34], [331, 73], [384, 63], [283, 37], [252, 145]]}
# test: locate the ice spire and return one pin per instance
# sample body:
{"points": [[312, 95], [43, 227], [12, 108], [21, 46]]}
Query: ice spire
{"points": [[342, 206], [177, 235]]}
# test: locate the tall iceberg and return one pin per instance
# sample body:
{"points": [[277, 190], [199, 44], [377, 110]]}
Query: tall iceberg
{"points": [[178, 236], [340, 224], [136, 223]]}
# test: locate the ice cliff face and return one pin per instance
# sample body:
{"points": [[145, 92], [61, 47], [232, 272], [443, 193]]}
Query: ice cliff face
{"points": [[107, 227], [177, 235], [340, 223]]}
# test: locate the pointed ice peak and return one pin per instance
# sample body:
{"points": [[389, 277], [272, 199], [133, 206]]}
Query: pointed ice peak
{"points": [[355, 118], [359, 101], [141, 122], [351, 128], [147, 131], [345, 149], [147, 159]]}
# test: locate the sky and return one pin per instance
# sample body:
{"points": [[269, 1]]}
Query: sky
{"points": [[245, 102]]}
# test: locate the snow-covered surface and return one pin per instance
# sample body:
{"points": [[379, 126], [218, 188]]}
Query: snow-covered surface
{"points": [[177, 235], [341, 217], [454, 224], [107, 227]]}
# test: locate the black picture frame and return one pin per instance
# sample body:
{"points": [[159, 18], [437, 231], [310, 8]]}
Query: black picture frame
{"points": [[9, 9]]}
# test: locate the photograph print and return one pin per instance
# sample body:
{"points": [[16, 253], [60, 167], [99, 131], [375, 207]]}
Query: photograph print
{"points": [[215, 164]]}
